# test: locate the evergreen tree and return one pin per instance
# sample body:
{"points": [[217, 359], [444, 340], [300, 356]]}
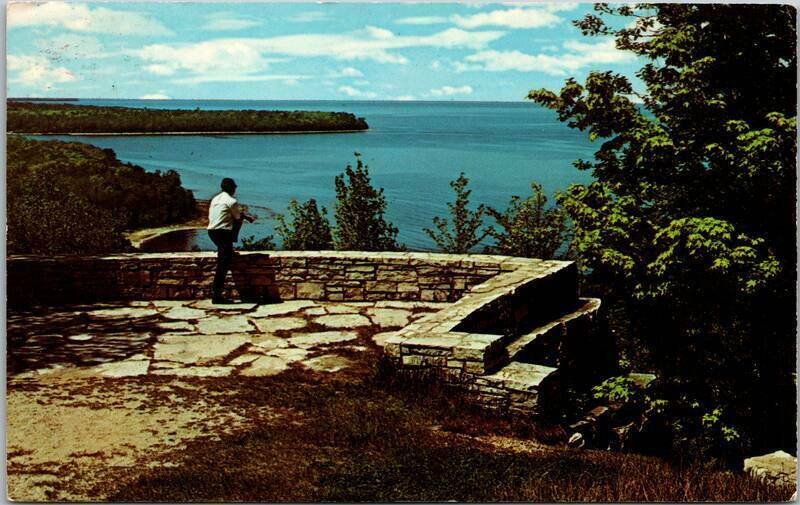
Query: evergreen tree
{"points": [[465, 233]]}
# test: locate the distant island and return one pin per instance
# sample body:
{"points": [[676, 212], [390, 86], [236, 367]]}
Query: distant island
{"points": [[67, 119]]}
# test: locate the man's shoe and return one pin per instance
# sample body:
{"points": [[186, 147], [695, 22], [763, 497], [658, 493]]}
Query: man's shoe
{"points": [[222, 301]]}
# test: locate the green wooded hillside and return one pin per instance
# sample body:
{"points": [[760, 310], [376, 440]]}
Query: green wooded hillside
{"points": [[30, 117]]}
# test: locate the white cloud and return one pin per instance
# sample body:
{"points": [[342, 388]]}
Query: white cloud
{"points": [[451, 90], [241, 56], [222, 21], [423, 20], [351, 72], [578, 55], [36, 71], [289, 79], [436, 65], [155, 96], [82, 18], [534, 15], [308, 17], [356, 93], [405, 98]]}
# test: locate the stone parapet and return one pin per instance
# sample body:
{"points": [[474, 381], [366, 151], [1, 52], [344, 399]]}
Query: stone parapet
{"points": [[257, 275]]}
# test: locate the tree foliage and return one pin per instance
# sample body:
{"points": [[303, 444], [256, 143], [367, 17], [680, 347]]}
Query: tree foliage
{"points": [[252, 243], [360, 208], [26, 117], [307, 228], [528, 228], [692, 212], [464, 233], [70, 197]]}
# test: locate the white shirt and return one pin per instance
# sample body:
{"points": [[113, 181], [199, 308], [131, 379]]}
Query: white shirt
{"points": [[222, 211]]}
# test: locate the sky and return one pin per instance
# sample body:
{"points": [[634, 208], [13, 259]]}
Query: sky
{"points": [[301, 51]]}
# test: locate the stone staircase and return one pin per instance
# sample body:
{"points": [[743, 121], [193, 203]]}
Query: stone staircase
{"points": [[508, 339]]}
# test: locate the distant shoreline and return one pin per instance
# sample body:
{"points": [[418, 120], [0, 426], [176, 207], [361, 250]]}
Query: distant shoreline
{"points": [[196, 133]]}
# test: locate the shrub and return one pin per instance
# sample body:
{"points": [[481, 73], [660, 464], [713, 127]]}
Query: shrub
{"points": [[360, 208], [464, 234], [308, 229], [252, 244], [529, 229]]}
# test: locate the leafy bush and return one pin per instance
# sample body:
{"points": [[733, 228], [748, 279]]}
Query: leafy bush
{"points": [[529, 228], [360, 208], [465, 233], [252, 244], [308, 228], [74, 197], [689, 231]]}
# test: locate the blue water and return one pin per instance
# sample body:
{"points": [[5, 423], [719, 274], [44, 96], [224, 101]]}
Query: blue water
{"points": [[413, 149]]}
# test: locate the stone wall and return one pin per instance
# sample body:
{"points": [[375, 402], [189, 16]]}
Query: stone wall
{"points": [[257, 276]]}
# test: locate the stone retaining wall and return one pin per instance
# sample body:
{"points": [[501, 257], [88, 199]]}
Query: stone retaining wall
{"points": [[257, 276]]}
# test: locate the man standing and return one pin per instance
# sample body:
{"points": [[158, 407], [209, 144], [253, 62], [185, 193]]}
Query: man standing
{"points": [[224, 219]]}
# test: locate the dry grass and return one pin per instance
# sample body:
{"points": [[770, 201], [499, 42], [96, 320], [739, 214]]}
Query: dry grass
{"points": [[359, 439]]}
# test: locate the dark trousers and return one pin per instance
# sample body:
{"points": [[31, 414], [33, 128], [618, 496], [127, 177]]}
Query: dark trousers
{"points": [[223, 239]]}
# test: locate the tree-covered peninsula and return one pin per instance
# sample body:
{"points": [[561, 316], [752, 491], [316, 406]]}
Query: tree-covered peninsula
{"points": [[74, 198], [56, 118]]}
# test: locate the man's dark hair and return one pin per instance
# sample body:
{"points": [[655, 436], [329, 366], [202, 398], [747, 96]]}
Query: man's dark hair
{"points": [[228, 185]]}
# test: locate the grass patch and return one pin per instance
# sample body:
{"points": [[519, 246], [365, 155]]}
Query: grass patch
{"points": [[358, 438]]}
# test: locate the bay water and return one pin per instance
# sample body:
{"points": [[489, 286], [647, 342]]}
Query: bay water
{"points": [[413, 150]]}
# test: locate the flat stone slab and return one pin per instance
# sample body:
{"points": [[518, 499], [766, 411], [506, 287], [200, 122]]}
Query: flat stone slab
{"points": [[272, 324], [343, 320], [327, 363], [207, 305], [125, 368], [779, 467], [289, 354], [268, 342], [389, 317], [244, 358], [381, 338], [123, 312], [224, 324], [177, 326], [309, 340], [519, 376], [197, 371], [282, 308], [265, 366], [82, 337], [184, 313], [341, 309], [191, 349]]}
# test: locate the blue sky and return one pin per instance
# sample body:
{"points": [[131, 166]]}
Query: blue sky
{"points": [[385, 51]]}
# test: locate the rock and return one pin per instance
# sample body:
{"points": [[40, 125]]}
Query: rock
{"points": [[343, 320], [289, 355], [268, 342], [282, 308], [334, 308], [123, 313], [273, 324], [327, 363], [239, 306], [265, 366], [125, 368], [778, 467], [390, 317], [309, 340], [576, 441], [381, 338], [315, 311], [224, 324], [177, 326], [198, 349], [81, 337], [184, 313], [196, 371], [244, 358]]}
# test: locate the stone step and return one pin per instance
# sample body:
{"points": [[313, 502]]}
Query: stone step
{"points": [[542, 344], [514, 388]]}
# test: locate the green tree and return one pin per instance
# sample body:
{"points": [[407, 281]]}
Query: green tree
{"points": [[360, 208], [529, 228], [251, 243], [690, 225], [465, 233], [306, 229]]}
